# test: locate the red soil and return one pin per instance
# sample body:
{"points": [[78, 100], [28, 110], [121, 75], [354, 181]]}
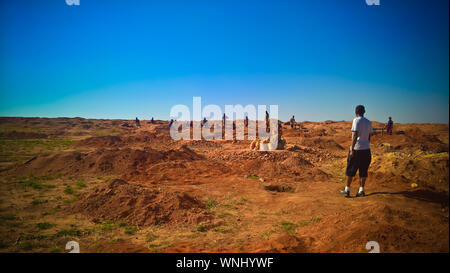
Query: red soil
{"points": [[303, 179]]}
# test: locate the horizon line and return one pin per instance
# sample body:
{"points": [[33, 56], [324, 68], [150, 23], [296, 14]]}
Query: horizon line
{"points": [[168, 120]]}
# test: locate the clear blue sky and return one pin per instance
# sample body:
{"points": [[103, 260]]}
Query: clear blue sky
{"points": [[316, 59]]}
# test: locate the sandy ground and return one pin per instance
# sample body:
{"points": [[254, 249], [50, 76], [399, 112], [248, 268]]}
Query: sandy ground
{"points": [[113, 187]]}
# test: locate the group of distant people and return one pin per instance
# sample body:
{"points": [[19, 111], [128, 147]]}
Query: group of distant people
{"points": [[224, 118], [138, 122], [389, 126]]}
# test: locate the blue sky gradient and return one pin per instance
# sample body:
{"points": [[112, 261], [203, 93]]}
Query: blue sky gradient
{"points": [[315, 59]]}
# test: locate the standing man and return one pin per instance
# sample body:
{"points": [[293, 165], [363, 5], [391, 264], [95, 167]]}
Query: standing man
{"points": [[359, 156], [389, 126], [224, 119], [138, 123], [292, 122]]}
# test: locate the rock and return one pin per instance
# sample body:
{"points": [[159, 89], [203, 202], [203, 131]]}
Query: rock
{"points": [[294, 148]]}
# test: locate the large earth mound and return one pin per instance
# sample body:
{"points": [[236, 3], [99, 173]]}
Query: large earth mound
{"points": [[101, 141], [104, 161], [136, 204]]}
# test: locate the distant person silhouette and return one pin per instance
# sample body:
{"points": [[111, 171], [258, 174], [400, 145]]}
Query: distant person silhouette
{"points": [[292, 122], [138, 123], [224, 118], [389, 126]]}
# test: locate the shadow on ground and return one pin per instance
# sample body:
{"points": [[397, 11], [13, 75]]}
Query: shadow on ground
{"points": [[422, 195]]}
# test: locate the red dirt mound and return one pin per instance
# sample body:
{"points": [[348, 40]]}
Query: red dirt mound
{"points": [[323, 143], [395, 230], [414, 139], [114, 161], [119, 200], [147, 137], [22, 135], [182, 153], [105, 161], [283, 243], [296, 161], [101, 141], [278, 244]]}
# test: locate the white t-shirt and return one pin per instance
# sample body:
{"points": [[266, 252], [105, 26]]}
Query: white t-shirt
{"points": [[364, 128]]}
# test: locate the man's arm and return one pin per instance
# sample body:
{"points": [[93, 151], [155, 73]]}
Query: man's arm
{"points": [[354, 139]]}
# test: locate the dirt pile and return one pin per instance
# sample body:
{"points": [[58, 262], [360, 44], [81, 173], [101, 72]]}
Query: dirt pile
{"points": [[103, 161], [182, 153], [322, 143], [296, 161], [283, 243], [156, 135], [101, 141], [413, 139], [427, 170], [395, 230], [136, 204], [22, 135]]}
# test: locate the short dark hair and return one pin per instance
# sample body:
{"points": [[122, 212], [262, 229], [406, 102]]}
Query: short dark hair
{"points": [[360, 110]]}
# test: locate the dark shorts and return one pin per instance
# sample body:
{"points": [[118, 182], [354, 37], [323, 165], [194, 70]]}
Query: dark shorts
{"points": [[360, 161]]}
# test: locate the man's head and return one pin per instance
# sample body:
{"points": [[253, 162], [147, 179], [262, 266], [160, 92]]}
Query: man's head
{"points": [[390, 118], [360, 110]]}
